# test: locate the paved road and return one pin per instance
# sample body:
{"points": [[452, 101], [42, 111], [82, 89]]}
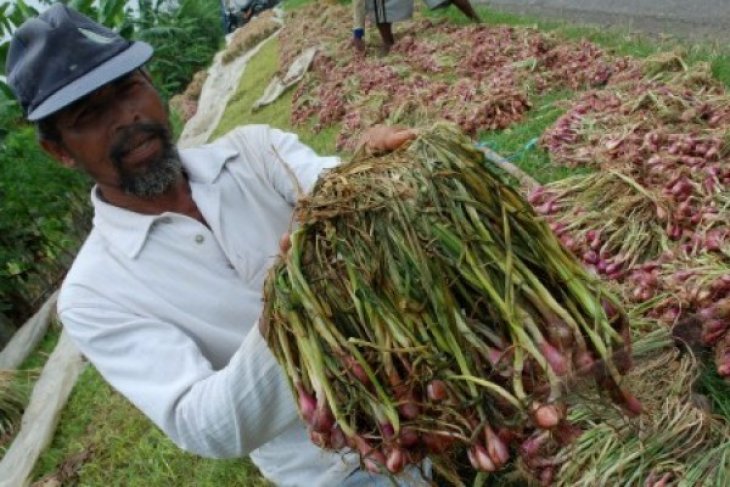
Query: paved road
{"points": [[695, 19]]}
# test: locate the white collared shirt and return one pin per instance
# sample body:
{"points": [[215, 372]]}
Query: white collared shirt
{"points": [[166, 308]]}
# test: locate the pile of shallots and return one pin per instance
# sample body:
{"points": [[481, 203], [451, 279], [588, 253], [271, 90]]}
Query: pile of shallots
{"points": [[654, 218], [479, 77]]}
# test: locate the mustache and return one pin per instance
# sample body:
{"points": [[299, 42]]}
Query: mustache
{"points": [[128, 138]]}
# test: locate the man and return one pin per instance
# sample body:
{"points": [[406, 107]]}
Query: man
{"points": [[165, 293]]}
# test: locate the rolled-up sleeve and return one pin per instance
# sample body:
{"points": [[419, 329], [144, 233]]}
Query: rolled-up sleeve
{"points": [[213, 413]]}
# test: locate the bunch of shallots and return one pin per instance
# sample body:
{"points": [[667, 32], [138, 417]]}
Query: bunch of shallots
{"points": [[425, 309]]}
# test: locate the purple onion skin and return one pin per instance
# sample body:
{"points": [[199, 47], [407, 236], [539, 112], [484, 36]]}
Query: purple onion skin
{"points": [[409, 410], [307, 404], [497, 449], [322, 420], [437, 390], [531, 446], [408, 437], [555, 359], [396, 461], [386, 429]]}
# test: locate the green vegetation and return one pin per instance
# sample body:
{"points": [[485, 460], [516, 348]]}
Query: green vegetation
{"points": [[715, 388], [185, 35], [43, 217], [519, 143], [122, 446], [256, 77], [125, 448]]}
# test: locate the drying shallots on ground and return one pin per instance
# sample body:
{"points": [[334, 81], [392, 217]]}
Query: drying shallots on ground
{"points": [[480, 77], [654, 218]]}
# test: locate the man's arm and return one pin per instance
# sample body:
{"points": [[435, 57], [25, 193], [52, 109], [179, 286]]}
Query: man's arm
{"points": [[291, 166], [224, 413]]}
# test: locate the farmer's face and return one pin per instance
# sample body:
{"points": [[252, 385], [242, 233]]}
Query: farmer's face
{"points": [[120, 136]]}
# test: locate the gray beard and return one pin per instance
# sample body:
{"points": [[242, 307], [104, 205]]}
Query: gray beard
{"points": [[156, 179]]}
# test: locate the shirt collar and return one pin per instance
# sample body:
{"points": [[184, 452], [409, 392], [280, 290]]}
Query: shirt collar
{"points": [[128, 230]]}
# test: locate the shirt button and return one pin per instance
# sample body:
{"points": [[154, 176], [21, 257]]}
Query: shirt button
{"points": [[199, 239]]}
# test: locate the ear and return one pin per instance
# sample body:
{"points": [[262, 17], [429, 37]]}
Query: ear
{"points": [[58, 152]]}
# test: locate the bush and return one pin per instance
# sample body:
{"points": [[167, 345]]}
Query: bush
{"points": [[43, 216], [185, 36]]}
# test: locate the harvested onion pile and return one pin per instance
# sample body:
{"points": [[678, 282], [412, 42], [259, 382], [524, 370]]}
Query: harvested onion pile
{"points": [[424, 309], [480, 77], [675, 443], [606, 218], [665, 138]]}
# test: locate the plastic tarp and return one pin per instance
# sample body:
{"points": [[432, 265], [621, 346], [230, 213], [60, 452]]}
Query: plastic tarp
{"points": [[294, 75], [218, 88]]}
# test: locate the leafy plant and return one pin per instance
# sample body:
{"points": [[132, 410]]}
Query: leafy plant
{"points": [[43, 216], [12, 402], [185, 35], [12, 14]]}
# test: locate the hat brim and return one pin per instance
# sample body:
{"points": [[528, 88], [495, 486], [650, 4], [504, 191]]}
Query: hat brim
{"points": [[126, 61]]}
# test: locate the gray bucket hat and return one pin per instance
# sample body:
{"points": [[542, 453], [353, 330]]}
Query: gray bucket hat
{"points": [[62, 56]]}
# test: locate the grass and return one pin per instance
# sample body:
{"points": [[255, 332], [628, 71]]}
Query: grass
{"points": [[519, 143], [256, 77], [259, 72], [125, 448], [715, 388]]}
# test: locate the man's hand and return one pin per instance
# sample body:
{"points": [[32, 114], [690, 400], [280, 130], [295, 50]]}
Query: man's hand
{"points": [[382, 138]]}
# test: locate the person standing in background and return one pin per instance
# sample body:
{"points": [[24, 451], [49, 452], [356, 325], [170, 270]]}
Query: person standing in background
{"points": [[358, 27], [385, 12]]}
